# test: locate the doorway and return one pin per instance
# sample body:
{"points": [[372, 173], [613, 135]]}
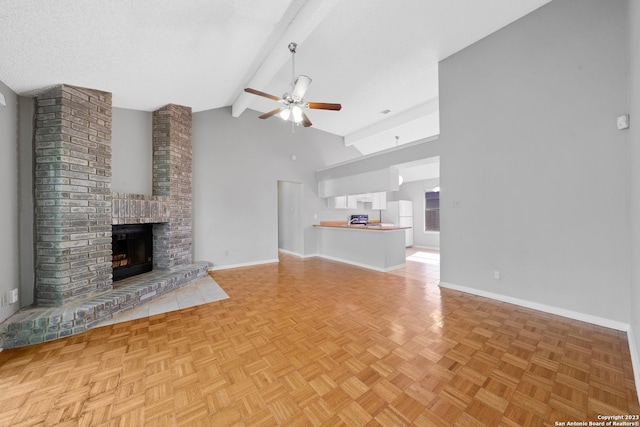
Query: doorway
{"points": [[290, 230]]}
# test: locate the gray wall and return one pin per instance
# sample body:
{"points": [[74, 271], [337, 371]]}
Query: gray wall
{"points": [[237, 163], [9, 255], [132, 151], [532, 156], [25, 180], [634, 143]]}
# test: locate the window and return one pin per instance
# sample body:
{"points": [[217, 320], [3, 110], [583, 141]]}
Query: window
{"points": [[431, 211]]}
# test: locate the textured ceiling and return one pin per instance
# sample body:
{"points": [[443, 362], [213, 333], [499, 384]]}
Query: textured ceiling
{"points": [[368, 55]]}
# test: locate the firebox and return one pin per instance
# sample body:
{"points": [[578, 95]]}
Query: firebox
{"points": [[132, 249]]}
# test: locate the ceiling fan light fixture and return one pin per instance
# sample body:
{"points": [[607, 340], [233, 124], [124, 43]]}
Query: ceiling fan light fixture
{"points": [[284, 114], [300, 88], [296, 111]]}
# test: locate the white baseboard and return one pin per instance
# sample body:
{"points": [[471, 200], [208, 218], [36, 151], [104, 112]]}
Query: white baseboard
{"points": [[635, 360], [358, 264], [430, 248], [290, 253], [246, 264], [310, 255], [303, 256], [595, 320]]}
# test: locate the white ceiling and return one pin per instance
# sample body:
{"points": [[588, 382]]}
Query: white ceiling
{"points": [[368, 55], [420, 169]]}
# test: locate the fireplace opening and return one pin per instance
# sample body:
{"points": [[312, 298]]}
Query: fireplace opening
{"points": [[132, 249]]}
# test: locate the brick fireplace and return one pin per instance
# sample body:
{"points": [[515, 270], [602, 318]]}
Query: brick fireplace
{"points": [[73, 195], [75, 211]]}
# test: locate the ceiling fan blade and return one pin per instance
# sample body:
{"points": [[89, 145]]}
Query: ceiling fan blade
{"points": [[305, 120], [270, 113], [324, 106], [259, 93], [300, 88]]}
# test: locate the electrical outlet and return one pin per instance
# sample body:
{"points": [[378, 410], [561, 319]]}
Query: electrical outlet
{"points": [[497, 275], [623, 122], [13, 296]]}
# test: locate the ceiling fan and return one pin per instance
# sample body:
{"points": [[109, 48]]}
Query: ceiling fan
{"points": [[294, 104]]}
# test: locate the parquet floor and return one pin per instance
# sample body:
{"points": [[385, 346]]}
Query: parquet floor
{"points": [[314, 342]]}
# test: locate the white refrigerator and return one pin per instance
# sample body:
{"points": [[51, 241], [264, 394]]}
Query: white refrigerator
{"points": [[400, 213]]}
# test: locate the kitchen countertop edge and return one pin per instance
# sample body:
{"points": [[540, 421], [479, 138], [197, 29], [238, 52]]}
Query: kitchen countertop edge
{"points": [[363, 227]]}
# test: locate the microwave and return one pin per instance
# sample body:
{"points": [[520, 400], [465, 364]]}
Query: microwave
{"points": [[359, 219]]}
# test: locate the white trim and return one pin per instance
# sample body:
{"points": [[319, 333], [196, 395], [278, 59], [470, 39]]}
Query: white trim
{"points": [[431, 248], [303, 256], [600, 321], [290, 253], [310, 255], [635, 360], [245, 264], [358, 264]]}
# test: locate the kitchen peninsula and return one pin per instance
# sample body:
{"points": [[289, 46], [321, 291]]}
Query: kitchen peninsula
{"points": [[378, 247]]}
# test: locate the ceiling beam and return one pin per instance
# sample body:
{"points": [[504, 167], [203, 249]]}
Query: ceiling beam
{"points": [[400, 119], [310, 15]]}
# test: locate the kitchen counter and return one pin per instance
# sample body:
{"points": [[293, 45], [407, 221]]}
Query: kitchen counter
{"points": [[378, 247], [373, 226]]}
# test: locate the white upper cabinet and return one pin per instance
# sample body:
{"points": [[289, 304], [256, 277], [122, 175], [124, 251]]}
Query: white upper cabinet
{"points": [[343, 202], [364, 198], [379, 201], [352, 202]]}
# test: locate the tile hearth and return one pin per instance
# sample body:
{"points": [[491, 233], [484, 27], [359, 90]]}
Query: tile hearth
{"points": [[202, 291], [39, 324]]}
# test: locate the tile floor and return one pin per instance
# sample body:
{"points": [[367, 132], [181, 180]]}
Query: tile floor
{"points": [[203, 291]]}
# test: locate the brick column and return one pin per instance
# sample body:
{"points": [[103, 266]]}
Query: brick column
{"points": [[172, 178], [72, 194]]}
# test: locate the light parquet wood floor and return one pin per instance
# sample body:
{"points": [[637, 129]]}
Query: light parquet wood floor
{"points": [[314, 342]]}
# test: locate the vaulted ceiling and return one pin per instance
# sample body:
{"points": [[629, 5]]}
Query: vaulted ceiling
{"points": [[372, 56]]}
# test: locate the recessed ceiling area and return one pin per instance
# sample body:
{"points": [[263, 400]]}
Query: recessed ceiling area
{"points": [[368, 55], [419, 170], [419, 122]]}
